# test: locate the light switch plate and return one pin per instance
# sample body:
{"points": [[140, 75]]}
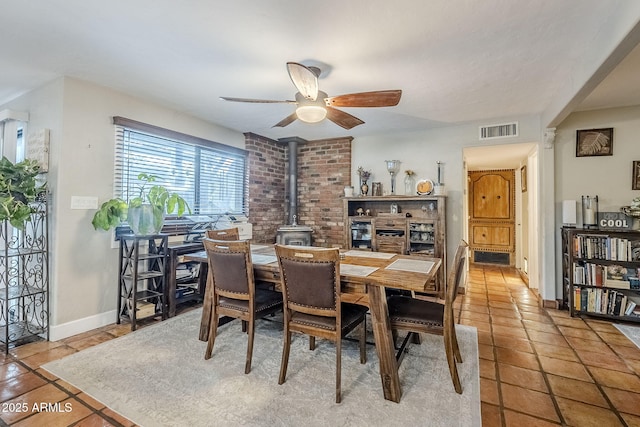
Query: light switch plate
{"points": [[84, 202]]}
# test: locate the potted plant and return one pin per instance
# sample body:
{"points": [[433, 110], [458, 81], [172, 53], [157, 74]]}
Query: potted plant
{"points": [[144, 213], [18, 189]]}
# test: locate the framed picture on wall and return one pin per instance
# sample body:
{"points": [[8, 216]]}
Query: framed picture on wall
{"points": [[635, 180], [523, 178], [594, 142]]}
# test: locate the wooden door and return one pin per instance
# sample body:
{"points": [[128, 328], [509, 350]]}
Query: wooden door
{"points": [[492, 213]]}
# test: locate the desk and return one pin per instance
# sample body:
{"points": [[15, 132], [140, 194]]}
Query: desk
{"points": [[356, 289]]}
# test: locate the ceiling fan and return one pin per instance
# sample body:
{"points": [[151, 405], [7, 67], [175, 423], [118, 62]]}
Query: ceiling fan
{"points": [[314, 105]]}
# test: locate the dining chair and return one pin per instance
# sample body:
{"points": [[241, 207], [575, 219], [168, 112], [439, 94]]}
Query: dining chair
{"points": [[224, 234], [234, 291], [421, 316], [310, 279]]}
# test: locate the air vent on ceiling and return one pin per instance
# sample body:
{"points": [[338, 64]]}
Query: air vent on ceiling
{"points": [[505, 130]]}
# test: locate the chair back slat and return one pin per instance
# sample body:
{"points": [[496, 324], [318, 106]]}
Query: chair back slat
{"points": [[224, 234]]}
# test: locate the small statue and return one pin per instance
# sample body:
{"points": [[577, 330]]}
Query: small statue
{"points": [[367, 212]]}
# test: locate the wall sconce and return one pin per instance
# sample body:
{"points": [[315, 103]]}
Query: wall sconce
{"points": [[590, 211]]}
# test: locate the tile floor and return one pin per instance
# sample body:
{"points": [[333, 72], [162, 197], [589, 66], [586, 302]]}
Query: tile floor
{"points": [[537, 367]]}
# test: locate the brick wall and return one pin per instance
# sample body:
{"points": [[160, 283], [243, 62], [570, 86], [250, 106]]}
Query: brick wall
{"points": [[267, 171], [324, 168]]}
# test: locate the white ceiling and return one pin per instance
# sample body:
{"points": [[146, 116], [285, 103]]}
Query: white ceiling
{"points": [[456, 61]]}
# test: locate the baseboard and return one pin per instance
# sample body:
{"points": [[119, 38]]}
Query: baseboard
{"points": [[550, 304], [75, 327]]}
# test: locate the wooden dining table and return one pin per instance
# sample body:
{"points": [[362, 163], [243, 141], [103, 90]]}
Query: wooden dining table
{"points": [[364, 276]]}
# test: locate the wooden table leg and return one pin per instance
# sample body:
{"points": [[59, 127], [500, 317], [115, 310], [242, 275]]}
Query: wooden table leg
{"points": [[384, 343], [206, 309]]}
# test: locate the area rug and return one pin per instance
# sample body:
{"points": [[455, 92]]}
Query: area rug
{"points": [[631, 332], [157, 376]]}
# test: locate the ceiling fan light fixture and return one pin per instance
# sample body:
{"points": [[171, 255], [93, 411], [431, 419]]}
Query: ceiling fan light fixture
{"points": [[311, 113]]}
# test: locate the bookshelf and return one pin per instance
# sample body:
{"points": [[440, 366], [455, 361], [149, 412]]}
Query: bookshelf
{"points": [[601, 271]]}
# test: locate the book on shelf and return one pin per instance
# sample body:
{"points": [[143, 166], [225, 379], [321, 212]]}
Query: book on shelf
{"points": [[617, 276]]}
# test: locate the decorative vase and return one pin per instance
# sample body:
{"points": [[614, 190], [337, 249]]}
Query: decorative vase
{"points": [[409, 185], [364, 188], [144, 220]]}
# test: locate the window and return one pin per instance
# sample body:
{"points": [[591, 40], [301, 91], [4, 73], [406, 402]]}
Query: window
{"points": [[210, 176]]}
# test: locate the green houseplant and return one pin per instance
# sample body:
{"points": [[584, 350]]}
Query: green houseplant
{"points": [[145, 212], [18, 188]]}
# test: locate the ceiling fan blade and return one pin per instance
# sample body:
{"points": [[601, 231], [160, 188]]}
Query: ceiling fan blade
{"points": [[257, 101], [286, 121], [343, 119], [305, 79], [380, 98]]}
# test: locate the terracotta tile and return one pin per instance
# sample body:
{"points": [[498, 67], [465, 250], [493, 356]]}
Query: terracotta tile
{"points": [[633, 364], [472, 315], [610, 361], [514, 314], [594, 346], [10, 370], [491, 415], [580, 391], [486, 351], [475, 308], [627, 352], [616, 379], [47, 393], [66, 413], [68, 387], [601, 326], [506, 321], [487, 369], [81, 336], [583, 415], [19, 384], [117, 417], [535, 316], [502, 304], [489, 391], [517, 358], [512, 343], [547, 338], [616, 337], [532, 325], [499, 298], [558, 313], [46, 374], [39, 359], [624, 401], [94, 420], [517, 332], [30, 349], [530, 308], [523, 377], [565, 368], [516, 419], [90, 401], [631, 420], [529, 401], [550, 350], [585, 334], [572, 322], [89, 341], [485, 337]]}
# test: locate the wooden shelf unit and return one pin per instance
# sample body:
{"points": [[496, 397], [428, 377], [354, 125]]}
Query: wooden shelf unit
{"points": [[600, 271], [423, 232]]}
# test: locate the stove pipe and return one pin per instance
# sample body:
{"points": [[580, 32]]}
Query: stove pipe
{"points": [[293, 181]]}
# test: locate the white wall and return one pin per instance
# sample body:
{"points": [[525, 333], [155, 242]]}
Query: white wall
{"points": [[83, 265], [608, 177], [420, 150]]}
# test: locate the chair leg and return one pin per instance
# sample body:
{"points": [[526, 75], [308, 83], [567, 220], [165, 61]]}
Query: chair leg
{"points": [[213, 329], [363, 341], [456, 347], [338, 369], [285, 355], [247, 365], [453, 369], [312, 342], [244, 326]]}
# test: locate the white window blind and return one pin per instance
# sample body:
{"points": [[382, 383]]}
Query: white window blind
{"points": [[210, 176]]}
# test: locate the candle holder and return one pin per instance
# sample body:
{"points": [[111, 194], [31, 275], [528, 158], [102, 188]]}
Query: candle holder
{"points": [[590, 211], [393, 166]]}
